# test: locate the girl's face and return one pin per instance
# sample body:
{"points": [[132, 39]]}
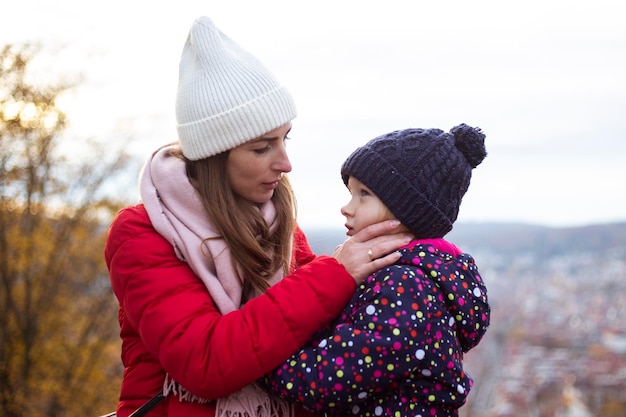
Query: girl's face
{"points": [[364, 208], [255, 168]]}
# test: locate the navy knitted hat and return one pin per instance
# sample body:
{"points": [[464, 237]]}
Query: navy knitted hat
{"points": [[421, 175]]}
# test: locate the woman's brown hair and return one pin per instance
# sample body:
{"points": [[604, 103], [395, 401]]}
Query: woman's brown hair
{"points": [[255, 250]]}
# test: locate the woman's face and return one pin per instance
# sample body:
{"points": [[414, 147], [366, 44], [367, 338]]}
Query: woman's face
{"points": [[255, 168], [364, 208]]}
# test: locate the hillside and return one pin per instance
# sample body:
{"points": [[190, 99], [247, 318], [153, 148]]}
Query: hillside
{"points": [[506, 238]]}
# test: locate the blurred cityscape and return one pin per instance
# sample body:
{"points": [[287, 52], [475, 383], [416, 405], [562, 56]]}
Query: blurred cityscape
{"points": [[557, 342]]}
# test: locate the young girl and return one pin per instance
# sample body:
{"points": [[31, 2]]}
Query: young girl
{"points": [[397, 348]]}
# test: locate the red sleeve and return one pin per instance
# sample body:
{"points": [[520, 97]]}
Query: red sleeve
{"points": [[211, 354], [302, 252]]}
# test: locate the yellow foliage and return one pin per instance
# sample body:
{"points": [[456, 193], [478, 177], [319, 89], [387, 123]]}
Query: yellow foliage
{"points": [[59, 346]]}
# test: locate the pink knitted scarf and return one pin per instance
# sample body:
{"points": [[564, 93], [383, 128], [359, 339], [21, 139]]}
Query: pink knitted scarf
{"points": [[177, 213]]}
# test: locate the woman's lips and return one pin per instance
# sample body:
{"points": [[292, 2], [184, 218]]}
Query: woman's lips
{"points": [[270, 185]]}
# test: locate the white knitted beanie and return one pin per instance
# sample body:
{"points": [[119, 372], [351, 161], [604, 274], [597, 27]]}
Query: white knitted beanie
{"points": [[225, 97]]}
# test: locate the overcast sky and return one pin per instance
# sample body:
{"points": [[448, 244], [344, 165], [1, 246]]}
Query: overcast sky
{"points": [[545, 80]]}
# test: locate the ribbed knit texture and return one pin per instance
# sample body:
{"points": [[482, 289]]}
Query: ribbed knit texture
{"points": [[421, 175], [225, 96]]}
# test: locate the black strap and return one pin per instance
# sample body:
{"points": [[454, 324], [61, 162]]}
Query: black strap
{"points": [[144, 409]]}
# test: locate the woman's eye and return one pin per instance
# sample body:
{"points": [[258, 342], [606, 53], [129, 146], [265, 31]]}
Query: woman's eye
{"points": [[262, 150]]}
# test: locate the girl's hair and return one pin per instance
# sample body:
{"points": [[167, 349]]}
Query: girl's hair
{"points": [[256, 251]]}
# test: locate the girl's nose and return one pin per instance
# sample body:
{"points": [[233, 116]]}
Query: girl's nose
{"points": [[345, 210]]}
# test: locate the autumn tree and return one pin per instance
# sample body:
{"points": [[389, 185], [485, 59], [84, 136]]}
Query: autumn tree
{"points": [[59, 352]]}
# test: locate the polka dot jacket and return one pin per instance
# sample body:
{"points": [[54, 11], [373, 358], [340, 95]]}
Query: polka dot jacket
{"points": [[397, 348]]}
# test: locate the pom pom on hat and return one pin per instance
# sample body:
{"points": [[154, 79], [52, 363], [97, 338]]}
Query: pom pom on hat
{"points": [[421, 175], [225, 95]]}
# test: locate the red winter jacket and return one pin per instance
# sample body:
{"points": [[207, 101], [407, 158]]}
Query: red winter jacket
{"points": [[169, 322]]}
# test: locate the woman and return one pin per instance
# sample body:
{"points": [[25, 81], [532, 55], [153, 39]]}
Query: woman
{"points": [[217, 285]]}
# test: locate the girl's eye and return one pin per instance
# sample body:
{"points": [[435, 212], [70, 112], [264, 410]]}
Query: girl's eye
{"points": [[364, 193]]}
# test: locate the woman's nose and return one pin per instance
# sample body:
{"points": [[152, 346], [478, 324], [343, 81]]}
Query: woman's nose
{"points": [[282, 163]]}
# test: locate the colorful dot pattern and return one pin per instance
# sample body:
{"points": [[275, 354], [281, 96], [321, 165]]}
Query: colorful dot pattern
{"points": [[397, 349]]}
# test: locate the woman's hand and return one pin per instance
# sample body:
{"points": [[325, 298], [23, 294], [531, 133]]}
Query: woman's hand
{"points": [[371, 249]]}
